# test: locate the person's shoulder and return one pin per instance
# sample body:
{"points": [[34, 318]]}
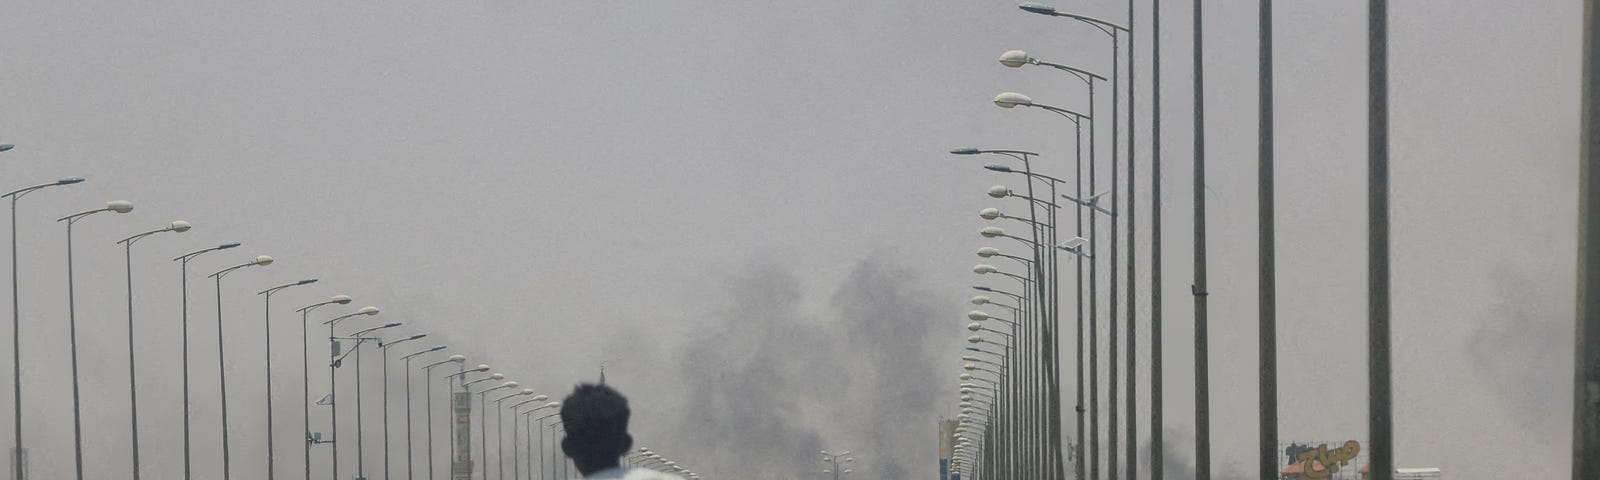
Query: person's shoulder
{"points": [[647, 474]]}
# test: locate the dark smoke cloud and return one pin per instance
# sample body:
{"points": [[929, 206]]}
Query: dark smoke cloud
{"points": [[1518, 348], [777, 381], [1178, 460]]}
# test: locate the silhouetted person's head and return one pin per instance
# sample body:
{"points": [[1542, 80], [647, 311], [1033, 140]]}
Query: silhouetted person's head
{"points": [[596, 420]]}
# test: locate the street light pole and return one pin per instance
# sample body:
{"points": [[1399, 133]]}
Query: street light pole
{"points": [[1380, 421], [517, 465], [267, 363], [1586, 388], [222, 370], [409, 451], [183, 262], [359, 338], [1202, 380], [500, 430], [460, 361], [333, 380], [17, 456], [305, 371], [384, 349], [483, 425], [179, 226], [1266, 262], [119, 206]]}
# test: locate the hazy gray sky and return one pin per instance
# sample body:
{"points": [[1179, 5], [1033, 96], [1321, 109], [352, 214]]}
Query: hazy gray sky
{"points": [[745, 211]]}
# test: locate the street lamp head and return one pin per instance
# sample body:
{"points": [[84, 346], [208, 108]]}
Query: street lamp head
{"points": [[1012, 99], [644, 450], [262, 260], [975, 327], [438, 348], [119, 206], [226, 246], [69, 181], [966, 151], [417, 336], [526, 391], [307, 281], [180, 226], [965, 376], [963, 417], [1073, 244], [989, 213], [509, 385], [1038, 8], [341, 299], [978, 315], [458, 358], [998, 168], [6, 146], [984, 269], [980, 300], [999, 191], [390, 325], [991, 232], [974, 339], [553, 405], [970, 366], [1015, 58], [367, 310], [987, 252], [540, 398], [496, 375]]}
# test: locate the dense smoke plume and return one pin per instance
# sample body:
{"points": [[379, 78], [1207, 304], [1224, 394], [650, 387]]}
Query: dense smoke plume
{"points": [[778, 380]]}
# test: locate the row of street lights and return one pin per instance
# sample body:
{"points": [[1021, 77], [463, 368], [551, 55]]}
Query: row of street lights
{"points": [[999, 421], [646, 458], [360, 337], [1003, 407]]}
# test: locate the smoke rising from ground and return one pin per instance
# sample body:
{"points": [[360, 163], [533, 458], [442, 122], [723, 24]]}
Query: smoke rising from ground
{"points": [[779, 380]]}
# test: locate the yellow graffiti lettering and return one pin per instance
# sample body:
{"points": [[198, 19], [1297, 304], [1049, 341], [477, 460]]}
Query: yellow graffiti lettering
{"points": [[1323, 463]]}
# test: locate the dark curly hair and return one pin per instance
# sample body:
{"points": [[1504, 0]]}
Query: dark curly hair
{"points": [[596, 421]]}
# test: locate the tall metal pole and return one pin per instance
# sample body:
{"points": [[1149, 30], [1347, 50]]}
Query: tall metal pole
{"points": [[483, 432], [1380, 426], [1156, 450], [267, 362], [1202, 381], [409, 471], [1586, 392], [361, 457], [1266, 258], [1111, 297], [1078, 448], [1131, 413], [305, 383], [72, 328], [385, 398], [188, 464], [1093, 458], [222, 383], [333, 396], [133, 384], [17, 457]]}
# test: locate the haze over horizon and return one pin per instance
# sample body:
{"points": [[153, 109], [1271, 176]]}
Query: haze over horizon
{"points": [[746, 212]]}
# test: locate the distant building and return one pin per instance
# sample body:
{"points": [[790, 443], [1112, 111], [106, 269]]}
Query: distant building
{"points": [[947, 449]]}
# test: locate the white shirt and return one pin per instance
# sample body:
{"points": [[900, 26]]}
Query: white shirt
{"points": [[631, 474]]}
